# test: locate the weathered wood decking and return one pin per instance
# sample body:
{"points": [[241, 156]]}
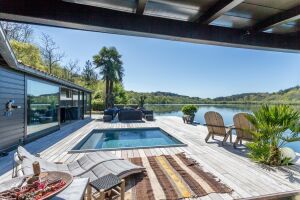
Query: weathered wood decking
{"points": [[247, 179]]}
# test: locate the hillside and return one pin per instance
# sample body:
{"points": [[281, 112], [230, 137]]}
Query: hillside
{"points": [[163, 98], [290, 95]]}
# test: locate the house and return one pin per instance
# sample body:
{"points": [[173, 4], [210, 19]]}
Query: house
{"points": [[34, 103]]}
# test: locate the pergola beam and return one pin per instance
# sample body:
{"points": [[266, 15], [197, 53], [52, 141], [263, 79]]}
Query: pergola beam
{"points": [[140, 8], [280, 18], [217, 10], [62, 14]]}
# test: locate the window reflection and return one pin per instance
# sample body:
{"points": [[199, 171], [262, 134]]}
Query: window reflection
{"points": [[87, 105], [42, 102]]}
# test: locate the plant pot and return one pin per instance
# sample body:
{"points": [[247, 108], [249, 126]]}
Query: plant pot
{"points": [[188, 119]]}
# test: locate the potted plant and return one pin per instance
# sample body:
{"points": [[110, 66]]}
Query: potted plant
{"points": [[189, 113], [272, 124], [142, 101]]}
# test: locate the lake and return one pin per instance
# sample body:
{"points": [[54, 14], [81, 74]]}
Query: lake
{"points": [[227, 112]]}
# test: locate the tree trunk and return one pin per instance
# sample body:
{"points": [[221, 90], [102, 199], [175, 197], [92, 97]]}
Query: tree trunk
{"points": [[106, 92], [111, 100], [274, 159]]}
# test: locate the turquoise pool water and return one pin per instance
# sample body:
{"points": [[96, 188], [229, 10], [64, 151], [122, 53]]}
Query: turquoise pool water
{"points": [[127, 139]]}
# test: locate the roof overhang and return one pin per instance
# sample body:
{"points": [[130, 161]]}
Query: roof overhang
{"points": [[93, 18], [9, 57]]}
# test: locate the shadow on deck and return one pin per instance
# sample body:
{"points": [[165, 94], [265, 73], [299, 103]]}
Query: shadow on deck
{"points": [[41, 144]]}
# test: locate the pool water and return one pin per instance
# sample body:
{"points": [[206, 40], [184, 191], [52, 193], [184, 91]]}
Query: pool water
{"points": [[127, 139]]}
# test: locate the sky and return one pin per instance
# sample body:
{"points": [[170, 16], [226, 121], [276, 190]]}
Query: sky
{"points": [[205, 71]]}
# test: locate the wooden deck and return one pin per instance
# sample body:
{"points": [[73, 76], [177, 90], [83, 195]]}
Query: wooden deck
{"points": [[247, 179]]}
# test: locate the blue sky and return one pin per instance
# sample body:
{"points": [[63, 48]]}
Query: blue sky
{"points": [[184, 68]]}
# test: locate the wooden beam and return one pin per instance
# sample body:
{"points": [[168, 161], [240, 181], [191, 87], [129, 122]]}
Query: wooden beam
{"points": [[280, 18], [140, 8], [61, 14], [218, 9]]}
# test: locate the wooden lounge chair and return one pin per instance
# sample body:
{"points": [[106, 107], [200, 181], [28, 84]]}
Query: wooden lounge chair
{"points": [[215, 125], [243, 128], [92, 165]]}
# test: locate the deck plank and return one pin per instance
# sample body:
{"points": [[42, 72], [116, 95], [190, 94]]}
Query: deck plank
{"points": [[231, 166]]}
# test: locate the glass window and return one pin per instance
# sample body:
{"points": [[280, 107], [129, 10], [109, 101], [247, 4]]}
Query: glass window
{"points": [[42, 106], [87, 105], [75, 98], [81, 104], [66, 97]]}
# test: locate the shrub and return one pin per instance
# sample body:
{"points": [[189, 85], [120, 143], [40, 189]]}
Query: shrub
{"points": [[189, 109], [271, 124], [98, 105]]}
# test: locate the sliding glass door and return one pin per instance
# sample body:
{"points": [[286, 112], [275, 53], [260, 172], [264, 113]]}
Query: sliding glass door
{"points": [[42, 105]]}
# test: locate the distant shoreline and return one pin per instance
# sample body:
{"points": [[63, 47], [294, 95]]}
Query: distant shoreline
{"points": [[218, 103]]}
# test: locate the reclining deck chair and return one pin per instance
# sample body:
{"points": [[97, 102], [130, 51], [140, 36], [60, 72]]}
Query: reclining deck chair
{"points": [[92, 165]]}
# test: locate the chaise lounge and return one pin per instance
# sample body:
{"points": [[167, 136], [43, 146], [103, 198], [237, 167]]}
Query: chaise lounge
{"points": [[92, 165]]}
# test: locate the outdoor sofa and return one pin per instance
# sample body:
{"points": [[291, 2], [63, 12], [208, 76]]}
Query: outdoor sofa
{"points": [[147, 114], [130, 115], [110, 114]]}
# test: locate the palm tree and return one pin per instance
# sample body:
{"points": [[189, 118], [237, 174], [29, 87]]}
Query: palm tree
{"points": [[111, 69], [272, 124]]}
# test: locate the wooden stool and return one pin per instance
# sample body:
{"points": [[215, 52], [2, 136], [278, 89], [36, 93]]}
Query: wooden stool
{"points": [[109, 186]]}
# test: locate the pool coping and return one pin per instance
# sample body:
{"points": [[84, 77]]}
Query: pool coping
{"points": [[84, 139]]}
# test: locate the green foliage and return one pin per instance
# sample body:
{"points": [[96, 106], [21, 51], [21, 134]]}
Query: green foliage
{"points": [[89, 75], [108, 60], [287, 96], [189, 109], [120, 94], [163, 98], [259, 151], [97, 105], [271, 124], [142, 101], [28, 54]]}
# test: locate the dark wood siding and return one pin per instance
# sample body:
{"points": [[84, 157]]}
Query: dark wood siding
{"points": [[12, 127]]}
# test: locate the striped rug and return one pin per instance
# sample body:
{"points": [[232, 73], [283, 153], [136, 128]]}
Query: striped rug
{"points": [[172, 177]]}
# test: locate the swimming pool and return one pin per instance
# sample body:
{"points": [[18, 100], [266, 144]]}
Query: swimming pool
{"points": [[129, 138]]}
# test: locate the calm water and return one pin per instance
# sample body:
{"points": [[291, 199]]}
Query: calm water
{"points": [[227, 112], [128, 138]]}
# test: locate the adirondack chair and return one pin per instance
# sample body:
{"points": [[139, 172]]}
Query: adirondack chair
{"points": [[215, 125], [243, 128]]}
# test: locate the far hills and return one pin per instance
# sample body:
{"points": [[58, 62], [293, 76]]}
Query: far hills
{"points": [[288, 96]]}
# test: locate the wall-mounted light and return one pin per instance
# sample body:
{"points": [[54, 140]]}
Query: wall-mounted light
{"points": [[9, 107]]}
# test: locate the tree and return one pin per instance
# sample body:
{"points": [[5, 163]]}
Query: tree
{"points": [[89, 75], [50, 53], [16, 31], [28, 54], [71, 69], [111, 69], [120, 94], [271, 124]]}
